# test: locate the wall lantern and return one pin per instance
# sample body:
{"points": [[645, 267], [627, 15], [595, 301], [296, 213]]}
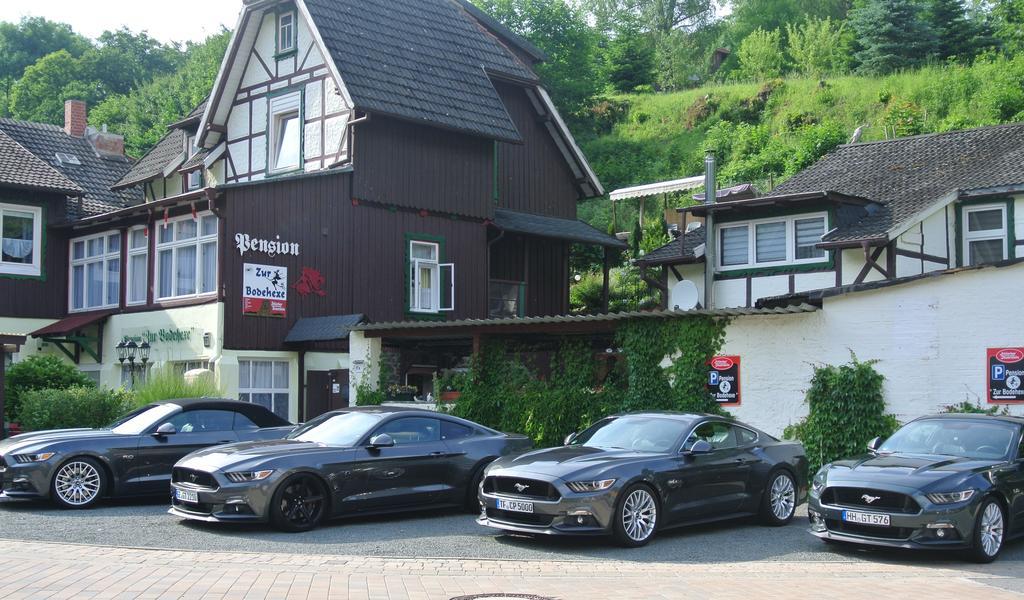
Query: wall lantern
{"points": [[130, 351]]}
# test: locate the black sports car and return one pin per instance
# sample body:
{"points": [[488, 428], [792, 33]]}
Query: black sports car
{"points": [[635, 474], [353, 461], [77, 468], [942, 482]]}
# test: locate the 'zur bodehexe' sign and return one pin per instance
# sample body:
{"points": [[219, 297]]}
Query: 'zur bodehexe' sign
{"points": [[1005, 375], [166, 335], [724, 380]]}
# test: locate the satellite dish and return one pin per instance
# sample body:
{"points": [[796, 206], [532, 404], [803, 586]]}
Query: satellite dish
{"points": [[683, 295]]}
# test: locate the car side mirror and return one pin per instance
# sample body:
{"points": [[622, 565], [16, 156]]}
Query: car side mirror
{"points": [[382, 440], [875, 444], [570, 438], [165, 429], [700, 447]]}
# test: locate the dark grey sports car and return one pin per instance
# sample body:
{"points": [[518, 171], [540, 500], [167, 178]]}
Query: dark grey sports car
{"points": [[77, 468], [353, 461], [942, 482], [632, 475]]}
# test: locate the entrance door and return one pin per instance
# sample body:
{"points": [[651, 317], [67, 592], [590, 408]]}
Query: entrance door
{"points": [[337, 393], [318, 385]]}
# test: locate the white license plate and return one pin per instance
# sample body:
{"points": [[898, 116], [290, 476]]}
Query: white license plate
{"points": [[515, 506], [866, 518], [186, 496]]}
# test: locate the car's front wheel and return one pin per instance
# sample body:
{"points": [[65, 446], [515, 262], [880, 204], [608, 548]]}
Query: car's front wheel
{"points": [[989, 531], [78, 483], [299, 503], [779, 503], [636, 519]]}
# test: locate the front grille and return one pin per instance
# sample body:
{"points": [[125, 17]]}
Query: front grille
{"points": [[521, 488], [193, 478], [201, 508], [508, 516], [885, 533], [882, 500]]}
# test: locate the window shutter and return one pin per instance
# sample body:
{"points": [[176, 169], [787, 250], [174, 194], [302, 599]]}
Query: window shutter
{"points": [[734, 245], [447, 271], [770, 242]]}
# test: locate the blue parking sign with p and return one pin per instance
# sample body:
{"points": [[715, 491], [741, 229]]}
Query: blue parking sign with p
{"points": [[998, 372], [713, 378]]}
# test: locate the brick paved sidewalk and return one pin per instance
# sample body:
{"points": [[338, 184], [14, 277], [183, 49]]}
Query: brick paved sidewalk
{"points": [[43, 570]]}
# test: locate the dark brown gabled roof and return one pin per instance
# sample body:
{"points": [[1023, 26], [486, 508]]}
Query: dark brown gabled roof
{"points": [[155, 161], [19, 168], [423, 60], [678, 251], [96, 174], [572, 230], [907, 175]]}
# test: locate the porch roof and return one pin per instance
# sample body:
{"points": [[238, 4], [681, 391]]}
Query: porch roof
{"points": [[71, 324], [552, 227], [322, 329]]}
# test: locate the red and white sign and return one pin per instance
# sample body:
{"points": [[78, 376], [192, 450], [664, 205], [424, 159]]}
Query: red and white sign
{"points": [[265, 291], [724, 380], [1005, 375]]}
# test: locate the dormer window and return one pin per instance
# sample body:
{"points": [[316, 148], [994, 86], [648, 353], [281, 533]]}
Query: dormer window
{"points": [[285, 127], [775, 242], [286, 32]]}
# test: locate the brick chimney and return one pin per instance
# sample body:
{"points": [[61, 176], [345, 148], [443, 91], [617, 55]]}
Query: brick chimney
{"points": [[76, 118], [105, 143]]}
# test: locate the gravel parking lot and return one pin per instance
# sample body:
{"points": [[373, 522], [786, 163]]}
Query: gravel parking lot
{"points": [[444, 535]]}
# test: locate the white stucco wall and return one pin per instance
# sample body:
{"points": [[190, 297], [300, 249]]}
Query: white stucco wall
{"points": [[929, 336]]}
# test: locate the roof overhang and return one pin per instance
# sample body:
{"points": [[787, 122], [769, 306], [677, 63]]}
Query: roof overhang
{"points": [[656, 189], [586, 178], [333, 328], [146, 208], [553, 228], [701, 210]]}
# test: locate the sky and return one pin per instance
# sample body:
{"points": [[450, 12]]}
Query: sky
{"points": [[176, 20]]}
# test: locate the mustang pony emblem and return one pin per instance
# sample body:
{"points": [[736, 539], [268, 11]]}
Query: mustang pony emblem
{"points": [[521, 487], [870, 499]]}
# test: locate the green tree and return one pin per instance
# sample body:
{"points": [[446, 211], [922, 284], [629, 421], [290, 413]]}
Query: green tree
{"points": [[760, 55], [818, 47], [956, 35], [749, 15], [40, 93], [25, 42], [659, 16], [562, 32], [629, 60], [1008, 17], [892, 35]]}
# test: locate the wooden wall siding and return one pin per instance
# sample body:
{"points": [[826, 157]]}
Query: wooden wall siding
{"points": [[359, 250], [547, 279], [508, 258], [45, 297], [325, 113], [405, 164], [533, 176]]}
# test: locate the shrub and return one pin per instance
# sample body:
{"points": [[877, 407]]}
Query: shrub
{"points": [[760, 55], [967, 407], [39, 372], [818, 47], [170, 384], [78, 406], [847, 410]]}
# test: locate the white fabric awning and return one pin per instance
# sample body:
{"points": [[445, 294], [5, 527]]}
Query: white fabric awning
{"points": [[662, 187]]}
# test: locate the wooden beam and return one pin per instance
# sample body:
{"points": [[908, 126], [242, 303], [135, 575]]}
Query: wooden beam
{"points": [[605, 280]]}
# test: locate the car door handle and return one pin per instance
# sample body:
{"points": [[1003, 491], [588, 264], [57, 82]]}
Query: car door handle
{"points": [[438, 453], [224, 442]]}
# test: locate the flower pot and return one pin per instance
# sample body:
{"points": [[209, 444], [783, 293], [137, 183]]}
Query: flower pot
{"points": [[450, 396], [401, 397]]}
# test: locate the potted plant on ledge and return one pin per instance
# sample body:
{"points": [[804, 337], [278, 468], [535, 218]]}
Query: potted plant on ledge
{"points": [[401, 393], [450, 386]]}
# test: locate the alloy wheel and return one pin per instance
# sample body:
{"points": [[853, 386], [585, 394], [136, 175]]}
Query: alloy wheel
{"points": [[302, 501], [991, 529], [639, 515], [783, 497], [77, 483]]}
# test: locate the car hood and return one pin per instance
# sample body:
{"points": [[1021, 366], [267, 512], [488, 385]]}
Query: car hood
{"points": [[569, 461], [255, 454], [906, 470], [40, 440]]}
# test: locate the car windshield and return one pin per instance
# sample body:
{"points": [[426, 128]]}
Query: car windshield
{"points": [[966, 438], [337, 429], [138, 421], [645, 434]]}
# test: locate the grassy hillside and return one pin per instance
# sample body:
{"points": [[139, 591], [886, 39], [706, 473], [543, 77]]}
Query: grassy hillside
{"points": [[765, 132]]}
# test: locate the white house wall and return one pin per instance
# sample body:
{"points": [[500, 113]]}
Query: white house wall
{"points": [[929, 338], [325, 112]]}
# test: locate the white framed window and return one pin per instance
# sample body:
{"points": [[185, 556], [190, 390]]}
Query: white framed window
{"points": [[285, 133], [431, 283], [194, 179], [138, 265], [265, 382], [186, 257], [772, 242], [21, 235], [286, 32], [985, 233], [95, 272]]}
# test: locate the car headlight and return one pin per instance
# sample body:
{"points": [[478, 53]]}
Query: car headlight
{"points": [[951, 497], [590, 486], [818, 483], [31, 458], [244, 476]]}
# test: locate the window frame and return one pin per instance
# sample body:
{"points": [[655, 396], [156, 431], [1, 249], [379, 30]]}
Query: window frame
{"points": [[198, 242], [249, 390], [84, 262], [437, 268], [280, 105], [967, 236], [281, 51], [129, 274], [35, 269], [751, 226]]}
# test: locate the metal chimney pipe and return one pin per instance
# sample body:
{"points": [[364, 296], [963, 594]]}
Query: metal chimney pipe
{"points": [[710, 196]]}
